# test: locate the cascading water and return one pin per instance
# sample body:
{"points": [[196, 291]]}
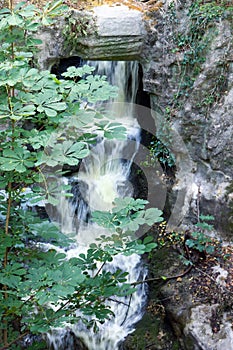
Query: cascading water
{"points": [[102, 177]]}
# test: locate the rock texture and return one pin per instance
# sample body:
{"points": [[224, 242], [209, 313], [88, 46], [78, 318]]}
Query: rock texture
{"points": [[199, 329], [120, 32], [206, 131], [105, 33]]}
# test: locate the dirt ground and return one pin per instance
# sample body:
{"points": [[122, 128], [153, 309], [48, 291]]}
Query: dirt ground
{"points": [[141, 5]]}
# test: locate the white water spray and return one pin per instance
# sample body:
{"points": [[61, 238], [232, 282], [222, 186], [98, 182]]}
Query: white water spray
{"points": [[102, 177]]}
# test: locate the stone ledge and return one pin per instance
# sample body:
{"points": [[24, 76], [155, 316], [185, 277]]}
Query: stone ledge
{"points": [[118, 21]]}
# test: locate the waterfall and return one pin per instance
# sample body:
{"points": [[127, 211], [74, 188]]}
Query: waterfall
{"points": [[102, 177]]}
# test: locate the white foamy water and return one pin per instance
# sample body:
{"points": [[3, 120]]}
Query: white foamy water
{"points": [[102, 177]]}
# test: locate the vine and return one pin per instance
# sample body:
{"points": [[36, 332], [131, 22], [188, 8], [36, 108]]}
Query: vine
{"points": [[193, 46]]}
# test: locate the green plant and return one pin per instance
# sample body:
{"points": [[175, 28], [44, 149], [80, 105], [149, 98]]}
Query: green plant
{"points": [[125, 219], [42, 128], [200, 241], [193, 45], [77, 26], [159, 151]]}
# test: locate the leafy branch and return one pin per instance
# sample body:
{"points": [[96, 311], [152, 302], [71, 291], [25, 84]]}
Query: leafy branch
{"points": [[44, 128]]}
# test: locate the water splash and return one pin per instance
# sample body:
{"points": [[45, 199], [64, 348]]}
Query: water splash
{"points": [[102, 177]]}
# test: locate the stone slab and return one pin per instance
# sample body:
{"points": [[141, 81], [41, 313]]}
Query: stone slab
{"points": [[118, 21]]}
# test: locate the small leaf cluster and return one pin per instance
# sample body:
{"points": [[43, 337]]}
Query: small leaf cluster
{"points": [[200, 241], [127, 215], [159, 153], [77, 26]]}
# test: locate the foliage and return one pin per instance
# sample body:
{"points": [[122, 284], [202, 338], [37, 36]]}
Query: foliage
{"points": [[193, 45], [159, 152], [80, 26], [169, 238], [127, 215], [200, 241], [197, 240], [45, 124]]}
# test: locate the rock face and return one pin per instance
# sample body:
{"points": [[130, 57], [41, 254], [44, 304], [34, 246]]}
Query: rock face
{"points": [[199, 105], [198, 330]]}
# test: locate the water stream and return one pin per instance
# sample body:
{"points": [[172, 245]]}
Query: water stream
{"points": [[102, 177]]}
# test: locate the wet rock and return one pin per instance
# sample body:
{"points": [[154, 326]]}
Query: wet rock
{"points": [[167, 312], [198, 312]]}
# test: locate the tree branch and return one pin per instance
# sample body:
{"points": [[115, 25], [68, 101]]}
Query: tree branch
{"points": [[6, 346]]}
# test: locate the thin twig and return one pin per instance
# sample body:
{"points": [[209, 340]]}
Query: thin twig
{"points": [[118, 301], [101, 267], [127, 312], [163, 278]]}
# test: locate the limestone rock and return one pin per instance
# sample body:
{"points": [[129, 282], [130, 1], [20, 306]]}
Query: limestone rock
{"points": [[199, 333], [206, 132], [105, 33], [119, 33]]}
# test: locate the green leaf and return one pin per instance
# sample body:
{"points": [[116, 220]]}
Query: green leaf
{"points": [[49, 102], [128, 203], [54, 8], [204, 226], [17, 159], [19, 111], [40, 139], [148, 239], [103, 219], [153, 215], [112, 130], [48, 111], [66, 152], [14, 20], [48, 232], [28, 11], [190, 243], [79, 118], [210, 249], [73, 72], [5, 11]]}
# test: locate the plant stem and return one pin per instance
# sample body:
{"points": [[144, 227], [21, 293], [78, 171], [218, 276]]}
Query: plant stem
{"points": [[5, 331], [98, 272], [6, 346], [8, 218]]}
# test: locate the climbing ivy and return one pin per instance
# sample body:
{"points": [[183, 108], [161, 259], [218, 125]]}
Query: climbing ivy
{"points": [[193, 46]]}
